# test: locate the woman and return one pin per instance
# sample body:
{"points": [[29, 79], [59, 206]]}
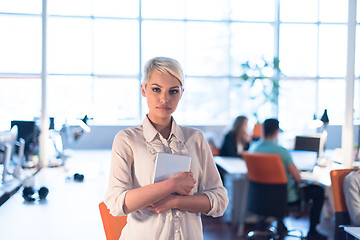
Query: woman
{"points": [[237, 139], [169, 209]]}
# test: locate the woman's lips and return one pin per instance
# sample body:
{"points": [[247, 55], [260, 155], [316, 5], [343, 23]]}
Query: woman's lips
{"points": [[163, 108]]}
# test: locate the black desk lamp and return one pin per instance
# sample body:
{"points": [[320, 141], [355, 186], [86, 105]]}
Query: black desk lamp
{"points": [[325, 118]]}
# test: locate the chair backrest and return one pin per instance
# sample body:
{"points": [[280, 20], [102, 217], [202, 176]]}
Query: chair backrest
{"points": [[267, 194], [113, 226], [341, 211], [265, 168], [257, 131]]}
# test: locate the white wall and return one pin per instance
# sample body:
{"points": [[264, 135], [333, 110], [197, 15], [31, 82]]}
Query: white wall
{"points": [[101, 137]]}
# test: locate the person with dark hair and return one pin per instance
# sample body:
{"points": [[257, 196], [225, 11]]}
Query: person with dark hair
{"points": [[237, 139], [310, 192]]}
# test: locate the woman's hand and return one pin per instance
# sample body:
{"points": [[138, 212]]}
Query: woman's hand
{"points": [[164, 204], [183, 183]]}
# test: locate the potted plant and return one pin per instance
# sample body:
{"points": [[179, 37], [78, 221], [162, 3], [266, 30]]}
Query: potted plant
{"points": [[261, 76]]}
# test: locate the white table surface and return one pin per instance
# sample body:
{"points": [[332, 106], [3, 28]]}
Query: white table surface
{"points": [[354, 231], [71, 209]]}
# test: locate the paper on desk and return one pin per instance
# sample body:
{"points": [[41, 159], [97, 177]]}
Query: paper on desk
{"points": [[167, 164]]}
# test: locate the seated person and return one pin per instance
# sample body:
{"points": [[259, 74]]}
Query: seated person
{"points": [[313, 193], [237, 139], [352, 196]]}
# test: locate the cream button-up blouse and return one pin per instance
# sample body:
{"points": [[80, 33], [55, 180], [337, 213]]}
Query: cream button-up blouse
{"points": [[132, 166]]}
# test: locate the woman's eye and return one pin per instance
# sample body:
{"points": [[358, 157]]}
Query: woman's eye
{"points": [[156, 89], [174, 91]]}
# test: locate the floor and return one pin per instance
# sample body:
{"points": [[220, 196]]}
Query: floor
{"points": [[215, 228], [70, 211]]}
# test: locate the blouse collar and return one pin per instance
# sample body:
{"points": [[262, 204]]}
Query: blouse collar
{"points": [[150, 132]]}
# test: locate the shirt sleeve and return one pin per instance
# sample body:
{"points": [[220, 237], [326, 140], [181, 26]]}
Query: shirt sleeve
{"points": [[120, 180], [286, 157], [352, 196], [211, 184]]}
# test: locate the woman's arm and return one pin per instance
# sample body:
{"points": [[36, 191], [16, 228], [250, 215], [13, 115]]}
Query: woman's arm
{"points": [[139, 198], [194, 203]]}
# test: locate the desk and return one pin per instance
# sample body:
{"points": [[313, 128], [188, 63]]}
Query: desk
{"points": [[321, 175], [235, 181], [71, 209], [354, 231], [232, 165]]}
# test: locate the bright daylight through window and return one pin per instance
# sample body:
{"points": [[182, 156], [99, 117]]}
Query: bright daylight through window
{"points": [[96, 50]]}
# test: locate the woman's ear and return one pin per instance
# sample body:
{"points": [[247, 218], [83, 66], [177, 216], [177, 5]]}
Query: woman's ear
{"points": [[143, 92]]}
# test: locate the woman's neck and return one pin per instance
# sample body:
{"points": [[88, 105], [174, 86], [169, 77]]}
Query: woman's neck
{"points": [[163, 127]]}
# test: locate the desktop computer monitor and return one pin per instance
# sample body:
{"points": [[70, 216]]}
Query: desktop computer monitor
{"points": [[29, 131], [308, 143]]}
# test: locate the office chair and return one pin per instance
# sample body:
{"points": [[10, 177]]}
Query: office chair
{"points": [[257, 132], [341, 212], [267, 192], [113, 226]]}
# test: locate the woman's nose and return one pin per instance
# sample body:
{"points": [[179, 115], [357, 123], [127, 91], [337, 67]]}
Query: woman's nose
{"points": [[164, 98]]}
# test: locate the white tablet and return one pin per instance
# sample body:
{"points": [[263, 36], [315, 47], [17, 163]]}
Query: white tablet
{"points": [[167, 164]]}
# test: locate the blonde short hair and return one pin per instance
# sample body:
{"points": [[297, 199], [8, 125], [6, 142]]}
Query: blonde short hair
{"points": [[165, 65]]}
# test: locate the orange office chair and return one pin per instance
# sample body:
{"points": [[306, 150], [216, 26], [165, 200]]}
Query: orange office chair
{"points": [[113, 226], [341, 212], [267, 192], [257, 131]]}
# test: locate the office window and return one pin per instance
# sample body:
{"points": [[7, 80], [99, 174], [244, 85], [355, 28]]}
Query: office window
{"points": [[249, 40], [163, 9], [298, 51], [297, 104], [20, 99], [243, 10], [332, 97], [116, 8], [116, 98], [206, 49], [332, 50], [96, 50], [70, 45], [71, 95], [69, 7], [293, 11], [163, 38], [20, 44], [21, 6], [116, 47], [205, 98]]}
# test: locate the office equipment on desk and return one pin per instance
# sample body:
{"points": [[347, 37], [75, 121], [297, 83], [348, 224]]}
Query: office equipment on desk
{"points": [[29, 131], [304, 160], [11, 164], [167, 164], [341, 212], [308, 143], [353, 231]]}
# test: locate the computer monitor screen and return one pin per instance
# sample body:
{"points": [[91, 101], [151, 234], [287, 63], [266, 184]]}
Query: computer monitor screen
{"points": [[308, 143], [29, 131]]}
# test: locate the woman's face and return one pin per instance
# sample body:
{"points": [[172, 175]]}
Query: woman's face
{"points": [[163, 92]]}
